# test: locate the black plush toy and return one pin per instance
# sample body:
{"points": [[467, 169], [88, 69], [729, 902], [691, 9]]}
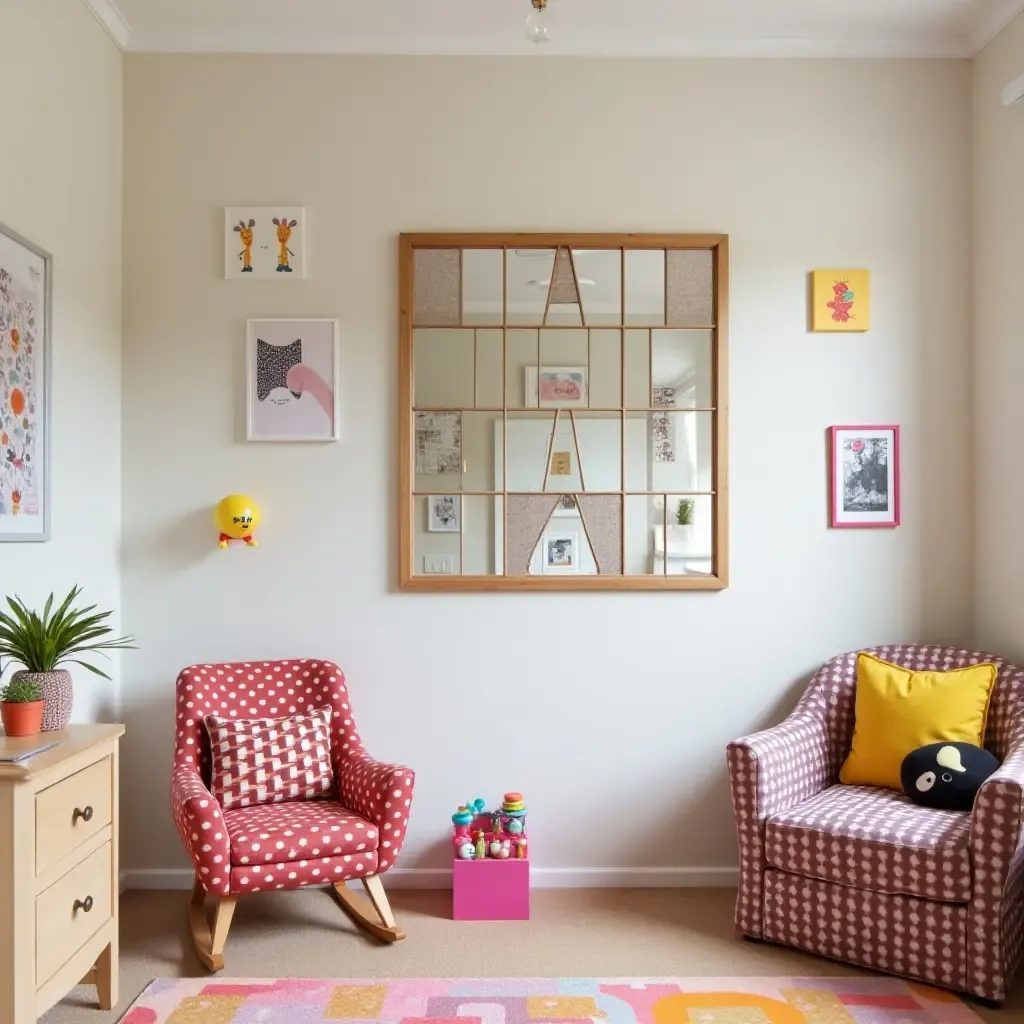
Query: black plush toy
{"points": [[946, 775]]}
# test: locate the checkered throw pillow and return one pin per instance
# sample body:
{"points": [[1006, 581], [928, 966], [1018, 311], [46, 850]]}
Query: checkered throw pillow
{"points": [[270, 760]]}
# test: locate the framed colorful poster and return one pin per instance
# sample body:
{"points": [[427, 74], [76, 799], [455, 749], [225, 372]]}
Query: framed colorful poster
{"points": [[292, 380], [864, 470], [26, 291], [841, 300]]}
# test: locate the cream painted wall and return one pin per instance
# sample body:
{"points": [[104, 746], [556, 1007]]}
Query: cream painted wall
{"points": [[585, 702], [60, 186], [999, 355]]}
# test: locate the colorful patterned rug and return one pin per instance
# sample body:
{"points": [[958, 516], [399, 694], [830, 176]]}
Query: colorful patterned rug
{"points": [[557, 1001]]}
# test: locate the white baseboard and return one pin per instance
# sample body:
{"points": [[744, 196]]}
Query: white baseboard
{"points": [[541, 878]]}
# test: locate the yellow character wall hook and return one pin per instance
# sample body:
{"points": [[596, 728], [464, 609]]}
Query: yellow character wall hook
{"points": [[237, 517]]}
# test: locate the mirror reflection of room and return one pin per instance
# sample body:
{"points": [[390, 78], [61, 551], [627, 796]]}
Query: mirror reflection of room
{"points": [[564, 412]]}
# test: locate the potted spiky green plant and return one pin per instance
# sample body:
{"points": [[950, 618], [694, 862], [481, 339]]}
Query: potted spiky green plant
{"points": [[681, 531], [42, 643], [21, 707]]}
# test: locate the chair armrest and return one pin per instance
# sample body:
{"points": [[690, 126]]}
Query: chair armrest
{"points": [[381, 793], [994, 922], [768, 772], [996, 822], [773, 770], [198, 818]]}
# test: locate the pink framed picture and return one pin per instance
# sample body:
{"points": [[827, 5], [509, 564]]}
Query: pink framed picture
{"points": [[864, 477], [556, 387]]}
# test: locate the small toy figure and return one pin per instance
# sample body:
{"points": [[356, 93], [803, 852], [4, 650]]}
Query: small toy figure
{"points": [[469, 811], [520, 849], [464, 848], [481, 844], [237, 516], [501, 849], [462, 819], [513, 810]]}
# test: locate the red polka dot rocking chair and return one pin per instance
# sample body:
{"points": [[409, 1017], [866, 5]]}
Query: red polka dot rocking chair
{"points": [[356, 832]]}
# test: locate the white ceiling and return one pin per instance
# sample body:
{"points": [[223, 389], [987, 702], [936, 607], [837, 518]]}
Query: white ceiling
{"points": [[795, 28]]}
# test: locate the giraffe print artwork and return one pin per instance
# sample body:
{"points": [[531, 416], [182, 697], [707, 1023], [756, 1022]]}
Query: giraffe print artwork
{"points": [[264, 243], [292, 380]]}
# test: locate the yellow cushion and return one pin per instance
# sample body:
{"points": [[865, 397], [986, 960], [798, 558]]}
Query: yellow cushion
{"points": [[898, 710]]}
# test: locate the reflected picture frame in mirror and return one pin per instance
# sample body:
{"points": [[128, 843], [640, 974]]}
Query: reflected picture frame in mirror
{"points": [[560, 552], [556, 387], [444, 513]]}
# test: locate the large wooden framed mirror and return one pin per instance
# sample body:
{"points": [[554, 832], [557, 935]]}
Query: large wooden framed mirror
{"points": [[563, 412]]}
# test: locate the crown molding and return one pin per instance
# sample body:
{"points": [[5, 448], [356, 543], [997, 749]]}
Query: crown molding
{"points": [[1002, 13], [580, 45], [112, 20]]}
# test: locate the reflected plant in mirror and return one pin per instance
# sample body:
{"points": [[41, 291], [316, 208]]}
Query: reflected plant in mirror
{"points": [[684, 511]]}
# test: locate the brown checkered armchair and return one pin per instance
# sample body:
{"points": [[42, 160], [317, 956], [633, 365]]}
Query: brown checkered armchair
{"points": [[863, 875]]}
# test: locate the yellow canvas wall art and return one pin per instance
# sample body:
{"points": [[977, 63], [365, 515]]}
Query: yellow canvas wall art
{"points": [[841, 300]]}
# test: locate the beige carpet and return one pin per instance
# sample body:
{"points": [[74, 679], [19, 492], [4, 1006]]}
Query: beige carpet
{"points": [[574, 933]]}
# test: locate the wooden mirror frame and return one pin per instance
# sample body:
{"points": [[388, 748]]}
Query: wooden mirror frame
{"points": [[718, 245]]}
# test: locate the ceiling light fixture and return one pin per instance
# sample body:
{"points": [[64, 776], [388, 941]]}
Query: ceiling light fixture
{"points": [[538, 24]]}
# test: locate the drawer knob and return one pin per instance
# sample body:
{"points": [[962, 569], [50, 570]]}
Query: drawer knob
{"points": [[85, 815], [85, 905]]}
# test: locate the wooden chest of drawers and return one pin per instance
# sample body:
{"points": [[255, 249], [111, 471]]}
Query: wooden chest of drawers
{"points": [[58, 871]]}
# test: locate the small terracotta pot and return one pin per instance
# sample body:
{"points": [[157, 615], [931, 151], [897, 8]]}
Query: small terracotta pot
{"points": [[22, 719], [58, 693]]}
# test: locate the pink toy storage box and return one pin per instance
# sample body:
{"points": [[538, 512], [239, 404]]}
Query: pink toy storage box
{"points": [[491, 890]]}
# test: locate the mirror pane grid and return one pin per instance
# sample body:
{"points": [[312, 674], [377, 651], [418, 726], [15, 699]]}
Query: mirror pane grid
{"points": [[444, 368], [563, 381], [638, 368], [645, 287], [528, 274], [522, 365], [437, 276], [489, 369], [483, 287], [690, 290], [681, 369], [437, 537], [437, 455], [599, 281], [643, 520], [688, 545], [565, 408]]}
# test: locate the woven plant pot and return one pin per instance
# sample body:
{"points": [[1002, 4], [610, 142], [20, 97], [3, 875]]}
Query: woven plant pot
{"points": [[58, 693]]}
